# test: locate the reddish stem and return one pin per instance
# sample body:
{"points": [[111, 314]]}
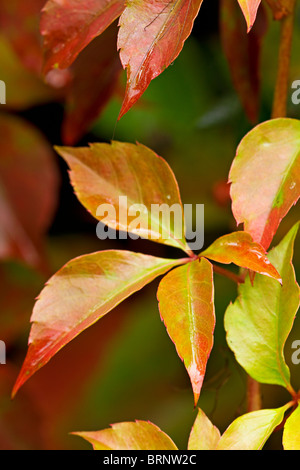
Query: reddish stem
{"points": [[285, 48], [230, 275], [253, 395]]}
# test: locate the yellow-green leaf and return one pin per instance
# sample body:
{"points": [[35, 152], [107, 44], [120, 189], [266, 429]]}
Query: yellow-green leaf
{"points": [[291, 431], [260, 320], [251, 431], [204, 435], [81, 293], [139, 435]]}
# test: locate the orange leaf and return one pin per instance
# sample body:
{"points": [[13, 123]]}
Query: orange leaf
{"points": [[81, 293], [186, 304], [239, 248]]}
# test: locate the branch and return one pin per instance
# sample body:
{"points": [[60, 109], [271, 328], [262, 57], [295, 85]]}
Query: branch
{"points": [[280, 8], [253, 395]]}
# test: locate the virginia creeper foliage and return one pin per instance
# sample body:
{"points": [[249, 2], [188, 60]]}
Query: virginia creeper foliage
{"points": [[74, 54]]}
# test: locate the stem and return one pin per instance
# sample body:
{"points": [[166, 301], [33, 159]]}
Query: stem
{"points": [[224, 272], [292, 392], [191, 254], [284, 59], [280, 8], [253, 395]]}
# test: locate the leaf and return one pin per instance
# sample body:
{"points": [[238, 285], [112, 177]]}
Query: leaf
{"points": [[124, 175], [25, 89], [151, 36], [249, 9], [204, 435], [69, 26], [95, 74], [280, 8], [18, 25], [248, 432], [291, 431], [239, 248], [272, 151], [251, 431], [139, 435], [81, 293], [260, 320], [28, 190], [186, 305], [243, 53]]}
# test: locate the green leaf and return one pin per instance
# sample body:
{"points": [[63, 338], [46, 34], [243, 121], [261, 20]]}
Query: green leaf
{"points": [[186, 304], [291, 431], [104, 173], [139, 435], [204, 435], [251, 431], [260, 320], [239, 248], [272, 151], [78, 295]]}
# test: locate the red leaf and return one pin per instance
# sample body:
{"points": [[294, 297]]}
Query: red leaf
{"points": [[268, 153], [78, 295], [28, 190], [69, 26], [239, 248], [249, 9], [186, 305], [151, 36], [242, 51]]}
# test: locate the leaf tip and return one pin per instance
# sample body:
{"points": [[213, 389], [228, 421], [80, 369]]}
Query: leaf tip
{"points": [[18, 384], [196, 378], [249, 27]]}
